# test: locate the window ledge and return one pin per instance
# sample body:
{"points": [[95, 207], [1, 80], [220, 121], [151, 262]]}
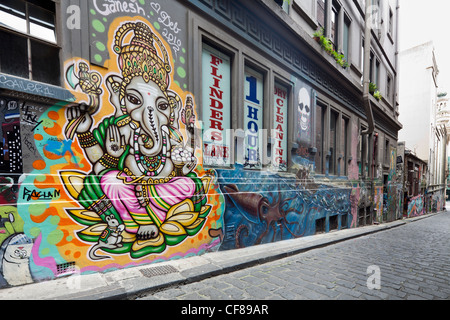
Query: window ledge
{"points": [[35, 88]]}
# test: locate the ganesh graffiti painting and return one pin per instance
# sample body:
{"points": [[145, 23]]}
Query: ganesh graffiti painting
{"points": [[143, 194]]}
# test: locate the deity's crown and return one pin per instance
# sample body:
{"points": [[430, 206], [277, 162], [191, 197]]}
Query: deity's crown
{"points": [[139, 57]]}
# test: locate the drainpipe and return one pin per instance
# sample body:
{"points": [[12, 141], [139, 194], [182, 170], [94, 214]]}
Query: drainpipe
{"points": [[366, 81], [397, 63]]}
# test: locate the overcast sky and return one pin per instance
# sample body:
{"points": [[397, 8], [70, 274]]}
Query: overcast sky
{"points": [[422, 21]]}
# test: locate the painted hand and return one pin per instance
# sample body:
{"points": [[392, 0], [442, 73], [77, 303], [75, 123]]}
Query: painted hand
{"points": [[190, 166], [80, 115], [115, 143], [188, 117]]}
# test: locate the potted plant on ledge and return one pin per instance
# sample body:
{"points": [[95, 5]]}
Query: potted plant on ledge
{"points": [[327, 45], [373, 90]]}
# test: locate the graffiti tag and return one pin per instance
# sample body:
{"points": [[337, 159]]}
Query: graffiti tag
{"points": [[171, 28], [24, 86], [107, 7], [29, 195], [31, 118]]}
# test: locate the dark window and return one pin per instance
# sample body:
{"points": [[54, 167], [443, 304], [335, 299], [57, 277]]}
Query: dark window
{"points": [[416, 180], [346, 39], [42, 57], [14, 61], [28, 37], [391, 22], [388, 87], [42, 23], [377, 72], [321, 13], [364, 153], [320, 225], [411, 182], [361, 217], [334, 116], [371, 75], [320, 134], [335, 26], [13, 15], [386, 152], [369, 218], [279, 2], [334, 224], [344, 145], [362, 55], [344, 221]]}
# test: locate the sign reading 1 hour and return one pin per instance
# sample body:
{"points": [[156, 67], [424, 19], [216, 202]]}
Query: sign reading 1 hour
{"points": [[253, 120]]}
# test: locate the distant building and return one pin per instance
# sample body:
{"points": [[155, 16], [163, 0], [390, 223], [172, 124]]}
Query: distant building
{"points": [[443, 121], [414, 172], [422, 133]]}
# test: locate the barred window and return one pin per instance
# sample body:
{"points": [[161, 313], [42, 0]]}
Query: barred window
{"points": [[321, 13], [28, 37]]}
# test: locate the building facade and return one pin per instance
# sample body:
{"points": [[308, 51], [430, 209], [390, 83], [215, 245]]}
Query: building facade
{"points": [[157, 130], [417, 201], [426, 135], [443, 121]]}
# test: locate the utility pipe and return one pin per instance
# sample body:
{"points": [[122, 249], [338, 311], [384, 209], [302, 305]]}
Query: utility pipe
{"points": [[366, 72], [366, 94]]}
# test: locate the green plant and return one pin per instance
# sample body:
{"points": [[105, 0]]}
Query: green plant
{"points": [[377, 95], [373, 90], [327, 45], [340, 60], [318, 33]]}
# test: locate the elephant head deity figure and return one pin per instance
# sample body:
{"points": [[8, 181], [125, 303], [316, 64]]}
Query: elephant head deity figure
{"points": [[143, 161]]}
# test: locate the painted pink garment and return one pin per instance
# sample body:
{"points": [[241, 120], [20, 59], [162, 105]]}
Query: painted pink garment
{"points": [[124, 199]]}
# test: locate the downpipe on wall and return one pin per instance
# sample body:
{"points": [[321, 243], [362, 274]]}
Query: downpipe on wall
{"points": [[366, 81]]}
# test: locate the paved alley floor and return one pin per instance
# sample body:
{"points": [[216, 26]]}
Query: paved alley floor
{"points": [[410, 262]]}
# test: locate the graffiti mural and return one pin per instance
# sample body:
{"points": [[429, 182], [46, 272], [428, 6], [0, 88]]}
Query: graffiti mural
{"points": [[378, 202], [15, 250], [416, 206], [272, 208], [143, 194], [10, 142], [305, 115], [113, 180], [15, 246]]}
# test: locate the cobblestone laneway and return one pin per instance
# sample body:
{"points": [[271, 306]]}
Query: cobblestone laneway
{"points": [[413, 261]]}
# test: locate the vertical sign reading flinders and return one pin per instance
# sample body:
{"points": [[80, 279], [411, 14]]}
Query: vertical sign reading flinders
{"points": [[216, 107]]}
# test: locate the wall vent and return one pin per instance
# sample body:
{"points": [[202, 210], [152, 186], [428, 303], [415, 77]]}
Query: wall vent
{"points": [[320, 225], [158, 271], [65, 268]]}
